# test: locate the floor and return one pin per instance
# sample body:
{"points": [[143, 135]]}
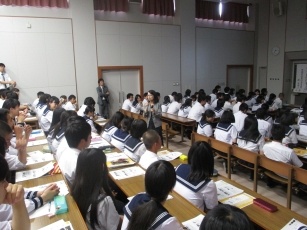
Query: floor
{"points": [[277, 194]]}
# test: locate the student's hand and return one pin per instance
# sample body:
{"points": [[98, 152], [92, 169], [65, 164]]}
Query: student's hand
{"points": [[21, 117], [28, 131], [14, 194], [21, 144], [49, 192], [18, 131]]}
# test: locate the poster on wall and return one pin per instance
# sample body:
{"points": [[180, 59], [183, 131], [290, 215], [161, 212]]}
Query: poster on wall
{"points": [[300, 78]]}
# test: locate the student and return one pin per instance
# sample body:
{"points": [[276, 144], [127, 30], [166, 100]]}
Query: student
{"points": [[89, 101], [227, 103], [208, 103], [71, 103], [48, 113], [193, 179], [35, 102], [112, 125], [198, 109], [13, 106], [204, 126], [175, 105], [145, 210], [145, 100], [152, 143], [137, 105], [303, 125], [219, 96], [63, 101], [171, 96], [240, 117], [12, 196], [194, 100], [165, 104], [134, 147], [89, 116], [264, 94], [120, 136], [264, 127], [225, 216], [56, 118], [78, 136], [267, 117], [128, 102], [240, 99], [251, 99], [187, 94], [219, 108], [185, 108], [41, 106], [5, 81], [213, 95], [59, 131], [225, 131], [93, 194], [232, 93], [259, 102], [290, 139]]}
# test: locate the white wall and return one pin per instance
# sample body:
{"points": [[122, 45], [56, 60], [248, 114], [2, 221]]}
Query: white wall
{"points": [[155, 47]]}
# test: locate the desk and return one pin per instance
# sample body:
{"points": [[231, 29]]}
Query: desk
{"points": [[32, 121], [182, 121]]}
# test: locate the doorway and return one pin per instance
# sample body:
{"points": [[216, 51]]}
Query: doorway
{"points": [[240, 77]]}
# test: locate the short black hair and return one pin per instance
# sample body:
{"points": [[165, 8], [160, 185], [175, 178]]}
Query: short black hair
{"points": [[89, 101], [126, 124], [54, 99], [227, 97], [240, 98], [129, 95], [227, 117], [71, 97], [10, 104], [77, 129], [226, 89], [138, 128], [243, 107], [150, 137], [208, 113], [278, 132], [201, 97], [12, 95], [2, 65], [260, 113], [39, 93], [187, 92], [100, 79], [89, 109], [64, 97], [5, 129], [3, 114], [220, 103]]}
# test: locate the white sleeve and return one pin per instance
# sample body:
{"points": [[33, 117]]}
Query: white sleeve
{"points": [[261, 143], [170, 224], [6, 214], [293, 137], [208, 131], [94, 130], [140, 151], [210, 195], [234, 133], [108, 217], [13, 162], [295, 160]]}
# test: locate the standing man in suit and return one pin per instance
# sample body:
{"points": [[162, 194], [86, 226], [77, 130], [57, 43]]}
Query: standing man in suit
{"points": [[103, 98]]}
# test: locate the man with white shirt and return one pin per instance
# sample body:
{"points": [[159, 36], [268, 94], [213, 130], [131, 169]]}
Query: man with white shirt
{"points": [[71, 104], [78, 136], [175, 105], [152, 142], [240, 117], [278, 102], [198, 109], [240, 100], [5, 80], [128, 102]]}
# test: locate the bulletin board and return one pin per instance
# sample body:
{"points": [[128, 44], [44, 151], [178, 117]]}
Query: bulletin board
{"points": [[300, 78]]}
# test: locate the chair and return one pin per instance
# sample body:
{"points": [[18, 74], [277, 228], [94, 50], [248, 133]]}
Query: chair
{"points": [[300, 175], [247, 156], [223, 150], [198, 137], [280, 172], [165, 129]]}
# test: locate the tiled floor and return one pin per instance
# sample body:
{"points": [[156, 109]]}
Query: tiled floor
{"points": [[277, 194]]}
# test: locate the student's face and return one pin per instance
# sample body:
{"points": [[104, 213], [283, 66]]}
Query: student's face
{"points": [[139, 99], [210, 119], [2, 69], [52, 105], [73, 101], [10, 120], [3, 185], [131, 98], [14, 111], [101, 83], [150, 97]]}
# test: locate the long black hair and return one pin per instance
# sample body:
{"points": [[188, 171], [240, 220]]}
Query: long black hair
{"points": [[87, 187], [250, 130], [160, 179], [187, 103], [115, 120], [63, 119], [56, 117]]}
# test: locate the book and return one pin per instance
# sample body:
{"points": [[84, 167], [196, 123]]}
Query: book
{"points": [[115, 160], [226, 190]]}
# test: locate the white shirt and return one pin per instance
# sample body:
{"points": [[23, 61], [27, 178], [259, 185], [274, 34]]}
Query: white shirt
{"points": [[251, 146], [46, 120], [208, 106], [136, 108], [61, 148], [68, 163], [236, 107], [205, 129], [39, 112], [147, 159], [69, 106], [290, 138], [107, 133], [137, 153], [81, 110], [34, 104], [13, 162], [228, 135], [213, 97], [174, 108], [239, 120], [164, 107], [91, 123], [227, 105], [184, 112], [264, 128], [127, 105], [196, 112], [278, 152], [303, 128], [6, 214], [214, 103], [277, 104], [256, 107], [6, 78]]}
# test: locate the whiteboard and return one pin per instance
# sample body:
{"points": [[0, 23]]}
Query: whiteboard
{"points": [[300, 78]]}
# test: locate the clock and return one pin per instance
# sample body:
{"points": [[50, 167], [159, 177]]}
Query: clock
{"points": [[275, 50]]}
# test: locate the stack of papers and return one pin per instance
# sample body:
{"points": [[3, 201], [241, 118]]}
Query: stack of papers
{"points": [[226, 190], [168, 156], [115, 160], [240, 201], [59, 225], [294, 225], [127, 173], [34, 173], [97, 142], [38, 157], [38, 142], [193, 224]]}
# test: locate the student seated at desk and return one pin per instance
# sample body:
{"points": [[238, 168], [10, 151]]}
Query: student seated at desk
{"points": [[112, 125], [264, 127], [89, 115], [13, 106], [48, 114], [120, 136], [128, 102], [193, 179], [219, 108], [185, 108], [35, 102], [228, 217], [56, 118], [175, 105], [165, 104], [152, 142], [303, 125], [225, 131], [71, 103], [204, 126], [288, 119], [198, 109], [41, 106], [259, 102], [240, 116], [227, 104], [145, 210], [89, 101], [134, 147], [78, 136], [137, 105], [93, 194]]}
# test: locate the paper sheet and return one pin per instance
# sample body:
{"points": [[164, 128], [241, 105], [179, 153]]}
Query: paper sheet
{"points": [[113, 158], [37, 133], [168, 156], [226, 190], [97, 142], [240, 201], [37, 142], [61, 184], [46, 209], [127, 172], [193, 224], [59, 225], [38, 157], [295, 225], [34, 173], [169, 197]]}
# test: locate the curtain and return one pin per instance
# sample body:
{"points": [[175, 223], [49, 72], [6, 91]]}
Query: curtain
{"points": [[207, 10], [111, 5], [36, 3], [159, 7], [235, 12]]}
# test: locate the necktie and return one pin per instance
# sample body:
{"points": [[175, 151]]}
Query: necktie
{"points": [[3, 80]]}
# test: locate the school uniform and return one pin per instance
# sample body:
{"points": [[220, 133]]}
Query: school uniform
{"points": [[81, 110], [127, 105], [218, 111], [13, 162], [70, 106], [290, 136], [196, 111], [34, 104], [239, 120], [208, 106], [250, 103], [46, 120], [214, 103], [269, 119], [264, 128], [256, 107], [303, 128], [108, 132], [236, 107], [184, 112], [62, 147], [277, 103], [174, 108], [202, 194], [213, 97], [136, 107], [163, 221], [278, 152], [254, 145], [134, 148], [58, 139], [164, 107], [91, 123], [227, 105], [300, 118], [147, 159], [204, 128], [119, 138], [171, 98], [107, 216], [40, 108], [225, 132]]}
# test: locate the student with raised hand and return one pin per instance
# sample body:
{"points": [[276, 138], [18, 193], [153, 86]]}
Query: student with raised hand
{"points": [[145, 210], [46, 118], [112, 125], [228, 217], [204, 126], [89, 115], [71, 103], [185, 108], [89, 101], [225, 131], [193, 179], [12, 195], [120, 136], [93, 194], [165, 104], [137, 105]]}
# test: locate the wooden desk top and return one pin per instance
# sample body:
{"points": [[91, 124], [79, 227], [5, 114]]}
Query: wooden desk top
{"points": [[178, 119]]}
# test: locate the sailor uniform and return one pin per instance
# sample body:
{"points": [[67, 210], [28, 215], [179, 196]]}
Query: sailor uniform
{"points": [[290, 136], [196, 111], [225, 132], [184, 112], [254, 145], [119, 138], [40, 108], [134, 148], [256, 107], [91, 123], [303, 128], [136, 107], [204, 128], [264, 128], [218, 111], [174, 108], [46, 120], [57, 140], [108, 132], [239, 120], [164, 107]]}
